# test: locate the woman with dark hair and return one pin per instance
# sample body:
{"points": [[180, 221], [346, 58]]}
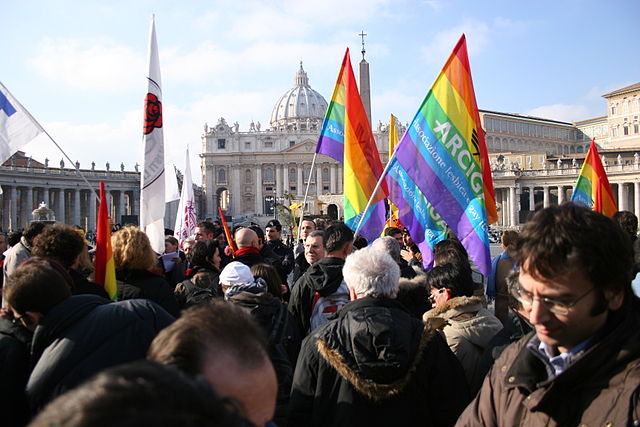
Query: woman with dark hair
{"points": [[203, 274], [270, 275]]}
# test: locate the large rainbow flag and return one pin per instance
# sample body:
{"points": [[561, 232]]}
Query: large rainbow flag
{"points": [[347, 137], [441, 167], [592, 187], [105, 274]]}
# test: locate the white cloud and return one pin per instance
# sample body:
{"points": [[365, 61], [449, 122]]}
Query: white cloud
{"points": [[561, 112], [100, 65]]}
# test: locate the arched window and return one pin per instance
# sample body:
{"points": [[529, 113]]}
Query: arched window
{"points": [[325, 174]]}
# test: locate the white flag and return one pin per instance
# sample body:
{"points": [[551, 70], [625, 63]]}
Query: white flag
{"points": [[152, 201], [17, 127], [186, 217]]}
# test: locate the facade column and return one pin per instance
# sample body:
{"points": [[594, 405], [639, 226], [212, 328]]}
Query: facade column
{"points": [[259, 198], [545, 200], [210, 195], [278, 181], [45, 195], [28, 203], [622, 202], [340, 179], [334, 180], [513, 206], [122, 205], [300, 184], [636, 198], [285, 178], [61, 214], [505, 207], [76, 207], [319, 180], [560, 194], [236, 197], [135, 208], [91, 199], [532, 198], [13, 206]]}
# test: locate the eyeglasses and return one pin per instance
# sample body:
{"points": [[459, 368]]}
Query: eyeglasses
{"points": [[18, 320], [432, 297], [557, 307]]}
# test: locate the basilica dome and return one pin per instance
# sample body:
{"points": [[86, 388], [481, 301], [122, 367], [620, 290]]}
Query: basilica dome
{"points": [[300, 108]]}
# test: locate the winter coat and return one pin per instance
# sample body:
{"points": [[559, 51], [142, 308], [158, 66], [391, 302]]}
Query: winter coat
{"points": [[85, 334], [248, 257], [468, 328], [324, 277], [15, 256], [272, 316], [601, 388], [133, 284], [375, 365], [14, 372], [82, 285], [202, 277], [285, 253]]}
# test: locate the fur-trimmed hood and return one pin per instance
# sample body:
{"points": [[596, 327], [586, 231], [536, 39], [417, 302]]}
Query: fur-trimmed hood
{"points": [[375, 345], [464, 317]]}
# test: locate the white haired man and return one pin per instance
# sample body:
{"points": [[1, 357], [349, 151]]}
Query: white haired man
{"points": [[375, 364]]}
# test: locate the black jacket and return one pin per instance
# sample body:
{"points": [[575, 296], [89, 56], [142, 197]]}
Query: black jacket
{"points": [[375, 365], [272, 315], [85, 334], [14, 371], [133, 284], [285, 253], [324, 277], [82, 285]]}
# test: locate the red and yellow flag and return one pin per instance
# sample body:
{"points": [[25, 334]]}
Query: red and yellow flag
{"points": [[105, 265], [592, 187]]}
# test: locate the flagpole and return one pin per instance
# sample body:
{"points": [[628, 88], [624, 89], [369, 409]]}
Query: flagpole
{"points": [[373, 193], [306, 193]]}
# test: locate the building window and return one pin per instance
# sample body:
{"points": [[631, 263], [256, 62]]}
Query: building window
{"points": [[222, 176], [292, 175], [613, 110], [635, 127], [268, 174], [247, 145], [247, 176], [325, 188], [625, 130], [292, 143], [221, 143], [325, 174], [293, 188], [614, 131], [268, 144]]}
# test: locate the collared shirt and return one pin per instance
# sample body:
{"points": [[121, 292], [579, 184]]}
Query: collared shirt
{"points": [[562, 361]]}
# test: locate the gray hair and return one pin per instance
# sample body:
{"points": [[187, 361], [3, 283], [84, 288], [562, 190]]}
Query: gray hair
{"points": [[371, 272], [389, 245]]}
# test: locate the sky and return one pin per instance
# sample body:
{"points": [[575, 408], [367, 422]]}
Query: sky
{"points": [[80, 67]]}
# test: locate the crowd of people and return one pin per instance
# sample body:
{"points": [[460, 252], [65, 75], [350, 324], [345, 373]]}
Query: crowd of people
{"points": [[327, 330]]}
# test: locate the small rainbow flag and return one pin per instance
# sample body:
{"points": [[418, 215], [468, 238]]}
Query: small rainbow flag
{"points": [[331, 140], [441, 169], [362, 165], [105, 274], [592, 187]]}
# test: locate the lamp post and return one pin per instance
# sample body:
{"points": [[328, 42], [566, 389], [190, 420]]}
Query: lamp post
{"points": [[275, 204]]}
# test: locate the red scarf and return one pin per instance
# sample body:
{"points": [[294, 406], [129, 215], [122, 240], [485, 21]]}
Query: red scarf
{"points": [[244, 251]]}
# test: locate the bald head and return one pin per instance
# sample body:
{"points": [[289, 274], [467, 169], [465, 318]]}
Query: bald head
{"points": [[246, 238]]}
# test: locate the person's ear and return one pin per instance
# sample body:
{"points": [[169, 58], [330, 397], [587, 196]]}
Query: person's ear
{"points": [[447, 293], [614, 298]]}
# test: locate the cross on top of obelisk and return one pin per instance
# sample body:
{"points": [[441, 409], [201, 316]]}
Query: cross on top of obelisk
{"points": [[363, 35]]}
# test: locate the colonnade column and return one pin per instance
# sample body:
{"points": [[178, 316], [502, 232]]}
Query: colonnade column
{"points": [[76, 207], [28, 206], [122, 205], [513, 205], [91, 198], [622, 202], [278, 181], [300, 184], [285, 178], [532, 199], [45, 195], [259, 201], [545, 199], [560, 194], [340, 179], [13, 206], [61, 214], [636, 198]]}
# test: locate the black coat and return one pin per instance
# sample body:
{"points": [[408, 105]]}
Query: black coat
{"points": [[324, 277], [285, 253], [14, 371], [82, 285], [84, 335], [375, 365], [133, 284]]}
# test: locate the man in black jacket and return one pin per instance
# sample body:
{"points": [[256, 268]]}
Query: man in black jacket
{"points": [[375, 364], [320, 291], [75, 336], [274, 241]]}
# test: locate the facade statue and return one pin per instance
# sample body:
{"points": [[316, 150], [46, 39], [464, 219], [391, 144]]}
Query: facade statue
{"points": [[206, 128], [61, 163], [559, 164], [93, 166], [258, 126], [574, 163], [236, 127], [46, 162], [619, 160], [77, 164], [136, 167], [636, 159], [108, 166], [122, 167]]}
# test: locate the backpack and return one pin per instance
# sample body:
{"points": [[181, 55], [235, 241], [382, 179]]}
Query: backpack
{"points": [[195, 295], [324, 308]]}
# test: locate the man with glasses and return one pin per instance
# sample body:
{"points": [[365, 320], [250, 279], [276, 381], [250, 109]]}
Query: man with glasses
{"points": [[582, 364]]}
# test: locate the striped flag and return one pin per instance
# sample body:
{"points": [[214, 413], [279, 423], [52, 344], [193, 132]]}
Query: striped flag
{"points": [[362, 165], [186, 217], [331, 140], [441, 168], [592, 187], [105, 273], [17, 127], [152, 184]]}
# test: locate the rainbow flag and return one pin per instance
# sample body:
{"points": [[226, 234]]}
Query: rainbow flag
{"points": [[592, 187], [331, 140], [441, 174], [105, 274], [362, 165]]}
